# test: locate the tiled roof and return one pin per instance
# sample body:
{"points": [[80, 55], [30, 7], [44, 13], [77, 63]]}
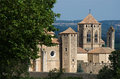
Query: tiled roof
{"points": [[89, 20], [55, 40], [80, 50], [68, 31], [102, 50]]}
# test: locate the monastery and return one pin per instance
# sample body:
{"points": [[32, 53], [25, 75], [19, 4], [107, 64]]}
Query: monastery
{"points": [[86, 46]]}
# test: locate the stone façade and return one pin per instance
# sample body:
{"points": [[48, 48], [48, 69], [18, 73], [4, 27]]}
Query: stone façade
{"points": [[84, 45]]}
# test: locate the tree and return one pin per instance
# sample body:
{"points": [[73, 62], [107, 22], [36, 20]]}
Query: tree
{"points": [[54, 74], [112, 72], [23, 25], [105, 73], [115, 63]]}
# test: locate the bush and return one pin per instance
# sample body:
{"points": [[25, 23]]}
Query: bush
{"points": [[72, 78], [105, 73]]}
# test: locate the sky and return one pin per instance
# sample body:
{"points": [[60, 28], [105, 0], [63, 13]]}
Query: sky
{"points": [[79, 9]]}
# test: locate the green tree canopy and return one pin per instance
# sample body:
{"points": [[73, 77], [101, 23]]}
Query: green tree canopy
{"points": [[105, 73], [113, 71], [23, 25], [115, 63]]}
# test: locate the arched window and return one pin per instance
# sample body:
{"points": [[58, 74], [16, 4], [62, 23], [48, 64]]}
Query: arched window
{"points": [[96, 37], [89, 36]]}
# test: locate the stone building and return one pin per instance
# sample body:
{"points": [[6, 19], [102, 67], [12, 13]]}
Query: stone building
{"points": [[99, 55], [89, 33], [73, 47]]}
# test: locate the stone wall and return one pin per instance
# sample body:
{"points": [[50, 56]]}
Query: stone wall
{"points": [[83, 75], [65, 52], [73, 53], [82, 56], [90, 67], [69, 52], [51, 61]]}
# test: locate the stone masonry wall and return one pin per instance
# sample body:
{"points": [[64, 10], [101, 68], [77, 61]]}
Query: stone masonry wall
{"points": [[90, 67]]}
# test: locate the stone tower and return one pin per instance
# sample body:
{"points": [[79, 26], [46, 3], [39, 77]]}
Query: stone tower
{"points": [[69, 50], [111, 37], [89, 33]]}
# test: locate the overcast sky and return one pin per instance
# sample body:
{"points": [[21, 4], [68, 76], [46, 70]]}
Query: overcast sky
{"points": [[79, 9]]}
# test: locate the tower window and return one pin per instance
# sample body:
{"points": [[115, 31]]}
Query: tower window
{"points": [[91, 25], [72, 59], [89, 36], [102, 61], [90, 61], [96, 37], [65, 49]]}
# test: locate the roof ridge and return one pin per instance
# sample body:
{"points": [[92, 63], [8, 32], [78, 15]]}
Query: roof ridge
{"points": [[101, 50], [89, 19], [68, 31]]}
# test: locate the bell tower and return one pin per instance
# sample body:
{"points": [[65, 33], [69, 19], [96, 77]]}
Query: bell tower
{"points": [[89, 33]]}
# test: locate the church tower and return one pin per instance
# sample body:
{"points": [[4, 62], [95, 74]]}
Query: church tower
{"points": [[111, 37], [89, 33], [69, 50]]}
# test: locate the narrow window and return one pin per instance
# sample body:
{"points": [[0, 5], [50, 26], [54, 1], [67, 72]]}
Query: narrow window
{"points": [[90, 61], [89, 36], [92, 25], [96, 37], [65, 49], [102, 62], [72, 59]]}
